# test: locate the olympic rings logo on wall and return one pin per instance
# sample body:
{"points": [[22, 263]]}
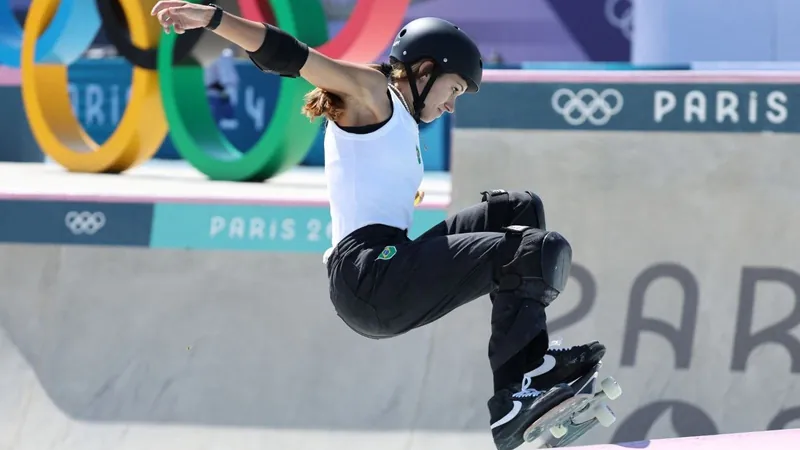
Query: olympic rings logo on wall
{"points": [[167, 93], [84, 222], [587, 103]]}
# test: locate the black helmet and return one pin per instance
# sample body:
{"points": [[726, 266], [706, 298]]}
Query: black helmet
{"points": [[443, 42]]}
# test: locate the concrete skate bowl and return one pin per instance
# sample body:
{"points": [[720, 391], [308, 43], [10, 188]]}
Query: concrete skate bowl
{"points": [[113, 348], [139, 348], [205, 323], [130, 318], [111, 337], [187, 324], [683, 231]]}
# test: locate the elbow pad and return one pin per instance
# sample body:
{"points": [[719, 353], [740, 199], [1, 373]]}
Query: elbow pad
{"points": [[280, 53]]}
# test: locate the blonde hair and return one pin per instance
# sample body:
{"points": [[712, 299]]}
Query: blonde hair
{"points": [[321, 103]]}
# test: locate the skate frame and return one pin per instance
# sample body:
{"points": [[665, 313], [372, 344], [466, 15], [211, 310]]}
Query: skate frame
{"points": [[570, 414]]}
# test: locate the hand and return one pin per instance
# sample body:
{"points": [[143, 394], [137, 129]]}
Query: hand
{"points": [[182, 15]]}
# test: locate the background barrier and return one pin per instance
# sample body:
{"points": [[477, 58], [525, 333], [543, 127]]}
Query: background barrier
{"points": [[684, 268], [682, 231]]}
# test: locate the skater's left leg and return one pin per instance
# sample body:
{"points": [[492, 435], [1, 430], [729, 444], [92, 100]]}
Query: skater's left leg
{"points": [[497, 210]]}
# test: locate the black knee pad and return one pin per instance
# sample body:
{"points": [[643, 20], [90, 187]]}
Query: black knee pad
{"points": [[556, 260], [540, 265], [518, 208]]}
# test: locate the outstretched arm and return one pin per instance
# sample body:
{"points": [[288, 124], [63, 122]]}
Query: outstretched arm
{"points": [[336, 76]]}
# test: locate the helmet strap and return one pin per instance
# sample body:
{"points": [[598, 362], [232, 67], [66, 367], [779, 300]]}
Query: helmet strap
{"points": [[419, 99]]}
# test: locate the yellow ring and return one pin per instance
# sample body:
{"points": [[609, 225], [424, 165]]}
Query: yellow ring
{"points": [[45, 95]]}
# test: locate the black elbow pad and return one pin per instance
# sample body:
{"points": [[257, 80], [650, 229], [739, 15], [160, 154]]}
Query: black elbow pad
{"points": [[280, 53]]}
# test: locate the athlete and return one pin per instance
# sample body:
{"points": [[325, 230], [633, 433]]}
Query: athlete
{"points": [[382, 283]]}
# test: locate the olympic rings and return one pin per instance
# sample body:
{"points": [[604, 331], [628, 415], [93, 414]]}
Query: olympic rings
{"points": [[158, 102], [117, 33], [45, 95], [587, 103], [84, 222], [289, 135]]}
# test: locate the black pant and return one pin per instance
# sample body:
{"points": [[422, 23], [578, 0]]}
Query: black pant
{"points": [[383, 284]]}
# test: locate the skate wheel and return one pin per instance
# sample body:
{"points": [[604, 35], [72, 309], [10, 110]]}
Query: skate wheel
{"points": [[611, 388], [558, 431], [539, 442], [605, 416]]}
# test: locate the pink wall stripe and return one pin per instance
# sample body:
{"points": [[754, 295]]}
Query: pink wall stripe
{"points": [[766, 440], [9, 77], [655, 76]]}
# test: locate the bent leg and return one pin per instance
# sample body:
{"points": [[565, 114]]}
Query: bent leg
{"points": [[428, 278], [538, 271], [499, 209]]}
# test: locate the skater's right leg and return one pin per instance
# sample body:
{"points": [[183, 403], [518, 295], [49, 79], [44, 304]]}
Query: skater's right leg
{"points": [[518, 347]]}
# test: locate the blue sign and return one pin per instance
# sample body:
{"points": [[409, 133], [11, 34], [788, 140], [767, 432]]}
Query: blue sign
{"points": [[295, 229], [696, 107], [86, 223]]}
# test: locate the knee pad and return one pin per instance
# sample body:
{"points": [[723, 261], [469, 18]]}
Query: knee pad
{"points": [[519, 208], [556, 260], [540, 265]]}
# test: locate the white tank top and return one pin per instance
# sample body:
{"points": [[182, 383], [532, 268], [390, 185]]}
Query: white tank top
{"points": [[373, 178]]}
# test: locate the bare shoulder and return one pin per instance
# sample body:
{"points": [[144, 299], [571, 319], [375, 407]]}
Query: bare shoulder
{"points": [[362, 87], [372, 96], [371, 81]]}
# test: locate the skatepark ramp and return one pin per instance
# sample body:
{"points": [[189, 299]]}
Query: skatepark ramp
{"points": [[158, 310], [115, 337], [126, 325], [128, 349], [35, 410]]}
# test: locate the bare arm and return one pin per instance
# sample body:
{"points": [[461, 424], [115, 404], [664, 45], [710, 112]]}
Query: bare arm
{"points": [[346, 79], [339, 77]]}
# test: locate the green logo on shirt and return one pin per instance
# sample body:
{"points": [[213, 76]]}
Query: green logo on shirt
{"points": [[388, 253], [419, 156]]}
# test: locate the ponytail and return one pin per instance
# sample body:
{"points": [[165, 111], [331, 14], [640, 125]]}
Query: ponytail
{"points": [[321, 103]]}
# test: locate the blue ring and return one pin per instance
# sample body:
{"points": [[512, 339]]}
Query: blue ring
{"points": [[69, 34]]}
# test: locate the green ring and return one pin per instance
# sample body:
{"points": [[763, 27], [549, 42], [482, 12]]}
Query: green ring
{"points": [[289, 134]]}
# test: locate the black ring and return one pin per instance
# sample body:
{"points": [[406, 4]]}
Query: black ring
{"points": [[115, 27]]}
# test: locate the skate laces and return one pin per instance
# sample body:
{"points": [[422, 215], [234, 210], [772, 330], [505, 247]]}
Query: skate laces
{"points": [[527, 390]]}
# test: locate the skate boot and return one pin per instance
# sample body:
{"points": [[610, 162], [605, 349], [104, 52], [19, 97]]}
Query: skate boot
{"points": [[512, 412], [566, 364]]}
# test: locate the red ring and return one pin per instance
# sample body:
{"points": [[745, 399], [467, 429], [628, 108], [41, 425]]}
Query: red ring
{"points": [[370, 26], [363, 38]]}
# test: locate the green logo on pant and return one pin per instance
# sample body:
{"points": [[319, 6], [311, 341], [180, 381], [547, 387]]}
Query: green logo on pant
{"points": [[388, 252]]}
